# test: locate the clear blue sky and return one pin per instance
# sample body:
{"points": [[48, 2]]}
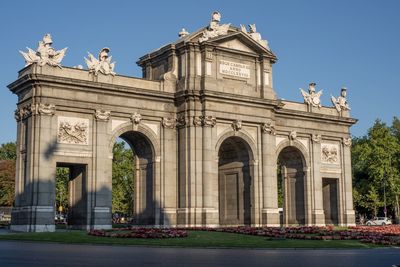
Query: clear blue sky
{"points": [[333, 43]]}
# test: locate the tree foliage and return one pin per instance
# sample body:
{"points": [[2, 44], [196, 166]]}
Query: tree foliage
{"points": [[123, 179], [7, 182], [375, 160], [62, 179], [8, 156], [8, 151]]}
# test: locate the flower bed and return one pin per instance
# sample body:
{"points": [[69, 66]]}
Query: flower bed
{"points": [[384, 235], [140, 232]]}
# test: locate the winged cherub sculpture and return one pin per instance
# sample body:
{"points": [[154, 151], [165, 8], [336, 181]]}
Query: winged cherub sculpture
{"points": [[102, 64], [45, 54], [312, 98]]}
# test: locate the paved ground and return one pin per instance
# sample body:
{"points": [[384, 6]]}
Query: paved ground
{"points": [[15, 253]]}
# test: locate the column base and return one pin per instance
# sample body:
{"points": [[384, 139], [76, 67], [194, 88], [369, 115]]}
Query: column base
{"points": [[319, 218], [38, 228], [169, 216], [270, 217]]}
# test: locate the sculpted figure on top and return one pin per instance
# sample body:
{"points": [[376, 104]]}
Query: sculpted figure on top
{"points": [[103, 64], [255, 35], [312, 98], [341, 102], [45, 54], [214, 29]]}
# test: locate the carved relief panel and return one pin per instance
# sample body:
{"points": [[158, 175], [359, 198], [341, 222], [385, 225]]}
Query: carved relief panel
{"points": [[73, 131], [330, 153]]}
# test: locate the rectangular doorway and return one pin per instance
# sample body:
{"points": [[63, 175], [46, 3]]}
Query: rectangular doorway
{"points": [[330, 199]]}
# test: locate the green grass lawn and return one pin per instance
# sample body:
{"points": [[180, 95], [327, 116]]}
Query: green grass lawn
{"points": [[195, 239]]}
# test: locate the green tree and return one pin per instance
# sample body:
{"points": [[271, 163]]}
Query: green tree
{"points": [[8, 156], [376, 168], [62, 179], [8, 151], [7, 182], [123, 179]]}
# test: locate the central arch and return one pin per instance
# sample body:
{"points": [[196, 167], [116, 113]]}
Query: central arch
{"points": [[235, 182], [144, 185]]}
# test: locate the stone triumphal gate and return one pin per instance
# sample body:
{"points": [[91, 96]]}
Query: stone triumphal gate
{"points": [[213, 143]]}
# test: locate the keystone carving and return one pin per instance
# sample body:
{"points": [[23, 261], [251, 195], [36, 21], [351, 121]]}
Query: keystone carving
{"points": [[237, 125], [136, 118], [293, 135]]}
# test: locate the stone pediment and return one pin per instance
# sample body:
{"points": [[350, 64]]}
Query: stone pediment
{"points": [[242, 42], [234, 39]]}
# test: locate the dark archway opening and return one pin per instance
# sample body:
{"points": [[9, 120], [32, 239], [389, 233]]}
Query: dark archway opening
{"points": [[142, 193], [291, 177], [234, 174], [71, 195]]}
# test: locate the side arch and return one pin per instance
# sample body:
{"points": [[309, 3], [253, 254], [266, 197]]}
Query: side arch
{"points": [[141, 128], [299, 146], [293, 158], [244, 136]]}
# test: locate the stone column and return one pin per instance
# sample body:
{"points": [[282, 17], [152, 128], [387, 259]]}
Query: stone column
{"points": [[34, 211], [102, 174], [349, 215], [170, 175], [318, 210], [270, 213], [210, 200]]}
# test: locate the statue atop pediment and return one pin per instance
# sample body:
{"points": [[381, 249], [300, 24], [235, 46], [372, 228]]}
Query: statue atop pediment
{"points": [[45, 54], [102, 64], [256, 36], [312, 98], [214, 29], [340, 103]]}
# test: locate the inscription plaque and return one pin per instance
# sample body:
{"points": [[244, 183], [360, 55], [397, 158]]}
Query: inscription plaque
{"points": [[234, 69]]}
